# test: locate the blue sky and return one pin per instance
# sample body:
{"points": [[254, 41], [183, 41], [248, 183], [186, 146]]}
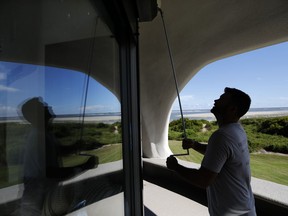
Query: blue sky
{"points": [[262, 73], [63, 90]]}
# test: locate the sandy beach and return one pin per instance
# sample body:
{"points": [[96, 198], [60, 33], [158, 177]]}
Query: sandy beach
{"points": [[266, 114], [210, 116], [114, 118], [251, 114], [111, 119], [90, 119]]}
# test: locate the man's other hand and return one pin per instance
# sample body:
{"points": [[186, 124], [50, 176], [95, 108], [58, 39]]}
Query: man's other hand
{"points": [[90, 163], [171, 163], [188, 143]]}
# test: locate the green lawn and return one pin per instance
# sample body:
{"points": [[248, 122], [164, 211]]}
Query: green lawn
{"points": [[264, 166], [193, 156], [270, 167], [106, 154]]}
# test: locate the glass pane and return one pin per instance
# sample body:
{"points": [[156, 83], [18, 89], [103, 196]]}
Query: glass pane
{"points": [[60, 112]]}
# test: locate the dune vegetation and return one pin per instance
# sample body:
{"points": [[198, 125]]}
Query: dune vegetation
{"points": [[267, 140]]}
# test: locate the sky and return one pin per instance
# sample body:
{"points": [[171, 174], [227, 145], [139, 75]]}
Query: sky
{"points": [[262, 73], [63, 90]]}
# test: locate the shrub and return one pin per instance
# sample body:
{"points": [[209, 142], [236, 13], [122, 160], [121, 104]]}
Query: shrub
{"points": [[195, 125], [174, 135], [259, 132], [274, 126], [101, 125], [277, 148]]}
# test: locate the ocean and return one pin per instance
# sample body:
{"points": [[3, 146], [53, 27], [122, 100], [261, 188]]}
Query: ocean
{"points": [[207, 115]]}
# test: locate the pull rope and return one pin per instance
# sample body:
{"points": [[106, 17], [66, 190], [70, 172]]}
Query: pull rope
{"points": [[175, 79], [86, 84]]}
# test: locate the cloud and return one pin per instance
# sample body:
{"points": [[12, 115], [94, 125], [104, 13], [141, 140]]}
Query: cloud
{"points": [[187, 102], [3, 76], [258, 78], [100, 108], [192, 102], [7, 110], [187, 98], [8, 89], [283, 98]]}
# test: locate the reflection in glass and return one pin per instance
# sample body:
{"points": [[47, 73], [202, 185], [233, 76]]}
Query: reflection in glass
{"points": [[42, 164], [60, 56], [49, 157]]}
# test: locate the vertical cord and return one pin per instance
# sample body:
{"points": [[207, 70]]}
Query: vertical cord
{"points": [[91, 52], [175, 79]]}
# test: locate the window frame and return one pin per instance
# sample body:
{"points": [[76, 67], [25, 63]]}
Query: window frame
{"points": [[125, 24]]}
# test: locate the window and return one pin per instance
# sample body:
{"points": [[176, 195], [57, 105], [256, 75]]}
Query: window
{"points": [[61, 111]]}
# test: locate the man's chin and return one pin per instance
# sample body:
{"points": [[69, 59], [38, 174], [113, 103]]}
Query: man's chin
{"points": [[213, 110]]}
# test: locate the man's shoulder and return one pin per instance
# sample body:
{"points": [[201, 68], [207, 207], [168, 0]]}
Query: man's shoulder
{"points": [[228, 128], [228, 132]]}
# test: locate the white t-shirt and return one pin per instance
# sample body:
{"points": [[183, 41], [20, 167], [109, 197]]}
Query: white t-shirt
{"points": [[35, 155], [40, 153], [227, 154]]}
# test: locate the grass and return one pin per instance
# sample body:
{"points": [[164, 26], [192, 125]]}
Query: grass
{"points": [[15, 173], [106, 154], [269, 167], [270, 134], [193, 156]]}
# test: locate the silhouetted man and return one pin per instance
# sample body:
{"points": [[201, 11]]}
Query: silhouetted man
{"points": [[225, 169], [43, 168]]}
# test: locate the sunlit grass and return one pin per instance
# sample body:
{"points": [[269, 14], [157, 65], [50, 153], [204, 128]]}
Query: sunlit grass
{"points": [[193, 156], [269, 167], [106, 154], [14, 176]]}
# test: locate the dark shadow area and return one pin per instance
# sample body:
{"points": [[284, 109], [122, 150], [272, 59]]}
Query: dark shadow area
{"points": [[165, 178], [148, 212], [82, 193], [69, 197], [265, 207]]}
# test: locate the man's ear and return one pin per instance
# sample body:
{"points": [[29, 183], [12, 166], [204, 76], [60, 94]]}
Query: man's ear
{"points": [[234, 110]]}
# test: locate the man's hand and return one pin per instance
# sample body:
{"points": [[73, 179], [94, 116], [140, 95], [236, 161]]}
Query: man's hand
{"points": [[90, 163], [188, 143], [172, 163]]}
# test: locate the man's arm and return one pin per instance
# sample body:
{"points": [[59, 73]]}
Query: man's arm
{"points": [[68, 172], [199, 147], [201, 178]]}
